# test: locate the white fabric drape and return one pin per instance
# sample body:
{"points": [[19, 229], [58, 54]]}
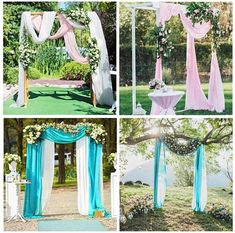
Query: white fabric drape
{"points": [[82, 175], [102, 85], [26, 23], [48, 162]]}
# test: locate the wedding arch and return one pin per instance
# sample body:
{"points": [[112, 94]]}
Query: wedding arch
{"points": [[193, 147], [40, 165], [195, 97], [39, 26]]}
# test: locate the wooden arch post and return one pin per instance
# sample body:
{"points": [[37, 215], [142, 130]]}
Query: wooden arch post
{"points": [[26, 88]]}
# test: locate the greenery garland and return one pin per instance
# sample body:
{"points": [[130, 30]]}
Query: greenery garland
{"points": [[77, 14], [97, 132], [163, 44], [178, 148], [200, 12]]}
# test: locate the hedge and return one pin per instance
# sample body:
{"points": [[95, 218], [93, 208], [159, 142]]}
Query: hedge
{"points": [[146, 57]]}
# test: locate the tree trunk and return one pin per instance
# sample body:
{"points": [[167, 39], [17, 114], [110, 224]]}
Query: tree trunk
{"points": [[73, 153], [7, 141], [61, 175]]}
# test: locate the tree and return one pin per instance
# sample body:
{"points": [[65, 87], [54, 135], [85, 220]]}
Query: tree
{"points": [[215, 134]]}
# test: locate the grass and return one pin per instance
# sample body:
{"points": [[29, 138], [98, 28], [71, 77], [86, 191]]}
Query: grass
{"points": [[142, 97], [56, 101], [177, 214]]}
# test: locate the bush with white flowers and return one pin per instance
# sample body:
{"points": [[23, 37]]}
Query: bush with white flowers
{"points": [[8, 158], [136, 205]]}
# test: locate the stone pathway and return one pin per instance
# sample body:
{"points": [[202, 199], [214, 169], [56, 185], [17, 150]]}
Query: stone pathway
{"points": [[63, 205]]}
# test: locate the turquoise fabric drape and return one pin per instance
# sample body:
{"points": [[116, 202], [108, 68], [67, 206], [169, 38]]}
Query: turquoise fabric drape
{"points": [[94, 160], [60, 137], [33, 191], [159, 174], [200, 183]]}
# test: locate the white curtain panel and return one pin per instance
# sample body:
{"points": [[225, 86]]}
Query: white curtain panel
{"points": [[48, 162], [26, 23], [82, 175], [102, 85]]}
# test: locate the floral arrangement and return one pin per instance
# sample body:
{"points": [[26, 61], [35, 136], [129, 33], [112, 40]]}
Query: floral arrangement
{"points": [[136, 206], [156, 84], [175, 146], [113, 159], [76, 14], [202, 11], [221, 213], [92, 52], [97, 132], [163, 43], [26, 54], [8, 158]]}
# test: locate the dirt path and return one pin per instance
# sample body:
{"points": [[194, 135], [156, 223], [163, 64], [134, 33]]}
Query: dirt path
{"points": [[63, 205]]}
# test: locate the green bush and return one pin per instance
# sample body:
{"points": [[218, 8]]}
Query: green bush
{"points": [[76, 71], [146, 58], [34, 73], [12, 75], [70, 172]]}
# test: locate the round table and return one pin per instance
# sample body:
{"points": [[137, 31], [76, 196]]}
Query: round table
{"points": [[18, 214], [166, 101]]}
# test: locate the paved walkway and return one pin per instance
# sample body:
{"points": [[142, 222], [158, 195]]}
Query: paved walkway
{"points": [[63, 205]]}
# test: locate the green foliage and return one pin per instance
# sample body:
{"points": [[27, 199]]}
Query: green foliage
{"points": [[51, 57], [75, 71], [12, 75], [34, 73], [146, 58], [11, 22], [70, 172]]}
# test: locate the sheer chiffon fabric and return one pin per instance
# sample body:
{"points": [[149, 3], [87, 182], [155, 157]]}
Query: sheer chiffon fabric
{"points": [[195, 97]]}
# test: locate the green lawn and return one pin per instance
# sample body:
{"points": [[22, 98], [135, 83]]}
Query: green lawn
{"points": [[55, 100], [142, 97], [176, 214]]}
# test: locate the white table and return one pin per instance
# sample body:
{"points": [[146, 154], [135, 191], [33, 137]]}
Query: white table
{"points": [[17, 215], [163, 103], [114, 194]]}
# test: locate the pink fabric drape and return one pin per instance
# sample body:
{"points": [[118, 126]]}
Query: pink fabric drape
{"points": [[66, 31], [195, 97], [216, 92], [155, 109]]}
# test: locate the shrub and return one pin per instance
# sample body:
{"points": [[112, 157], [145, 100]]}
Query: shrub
{"points": [[34, 73], [136, 206], [129, 183], [70, 172], [221, 213], [12, 75], [76, 71]]}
